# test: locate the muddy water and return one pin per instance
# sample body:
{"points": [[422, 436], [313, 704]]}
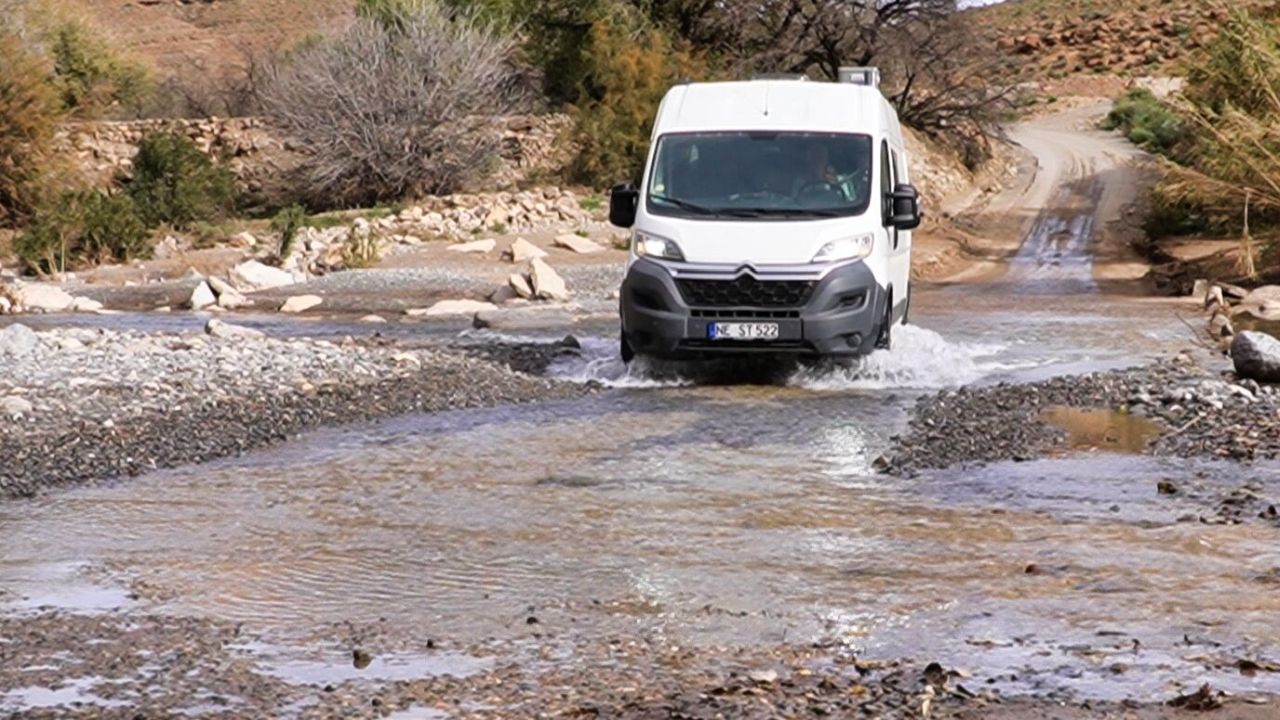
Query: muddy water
{"points": [[706, 514]]}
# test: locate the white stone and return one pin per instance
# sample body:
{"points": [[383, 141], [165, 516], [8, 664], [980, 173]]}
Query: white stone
{"points": [[13, 407], [202, 297], [43, 296], [577, 244], [523, 251], [85, 305], [17, 340], [227, 331], [219, 286], [478, 247], [452, 307], [300, 303], [375, 319], [232, 300], [244, 240], [5, 305], [547, 283], [253, 275], [520, 284]]}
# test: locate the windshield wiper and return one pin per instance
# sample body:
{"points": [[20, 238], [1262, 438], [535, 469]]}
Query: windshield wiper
{"points": [[684, 205], [778, 212]]}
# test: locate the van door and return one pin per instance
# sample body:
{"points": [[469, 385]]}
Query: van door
{"points": [[899, 254]]}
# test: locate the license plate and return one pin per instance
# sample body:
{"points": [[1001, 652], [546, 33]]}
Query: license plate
{"points": [[742, 331]]}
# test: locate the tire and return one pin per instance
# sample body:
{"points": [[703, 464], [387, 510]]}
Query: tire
{"points": [[624, 349], [884, 340], [906, 313]]}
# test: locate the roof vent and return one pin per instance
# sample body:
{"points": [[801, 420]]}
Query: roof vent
{"points": [[779, 76], [868, 76]]}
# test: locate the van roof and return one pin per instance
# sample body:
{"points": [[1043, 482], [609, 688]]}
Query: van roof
{"points": [[776, 105]]}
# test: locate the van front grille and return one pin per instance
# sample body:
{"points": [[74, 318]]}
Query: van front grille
{"points": [[745, 291]]}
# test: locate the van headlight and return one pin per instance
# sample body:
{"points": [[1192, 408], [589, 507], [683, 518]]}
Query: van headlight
{"points": [[647, 245], [851, 248]]}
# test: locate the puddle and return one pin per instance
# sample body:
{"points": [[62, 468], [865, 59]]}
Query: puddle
{"points": [[381, 668], [77, 692], [1092, 430]]}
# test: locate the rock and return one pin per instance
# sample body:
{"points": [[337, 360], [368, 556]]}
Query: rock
{"points": [[1200, 291], [230, 300], [85, 305], [300, 303], [1214, 298], [244, 240], [523, 318], [253, 275], [504, 294], [1256, 356], [452, 307], [577, 244], [227, 331], [43, 297], [1233, 292], [376, 319], [547, 283], [478, 247], [520, 284], [17, 340], [219, 286], [6, 306], [763, 677], [523, 251], [15, 407], [202, 297]]}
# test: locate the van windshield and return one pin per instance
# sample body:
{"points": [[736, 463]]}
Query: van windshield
{"points": [[761, 175]]}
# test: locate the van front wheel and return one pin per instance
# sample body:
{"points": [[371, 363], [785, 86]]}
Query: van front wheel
{"points": [[884, 340]]}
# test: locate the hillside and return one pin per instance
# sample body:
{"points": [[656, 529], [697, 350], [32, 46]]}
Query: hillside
{"points": [[1057, 38], [179, 37]]}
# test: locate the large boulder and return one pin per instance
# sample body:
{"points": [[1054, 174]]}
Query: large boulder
{"points": [[477, 247], [523, 251], [252, 275], [17, 340], [1256, 356], [43, 297], [300, 303], [451, 307], [547, 283], [202, 297], [577, 244]]}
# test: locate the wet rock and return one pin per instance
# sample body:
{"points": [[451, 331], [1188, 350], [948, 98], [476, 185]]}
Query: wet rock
{"points": [[577, 244], [522, 251], [532, 317], [547, 283], [301, 303], [1201, 700], [220, 329], [1166, 487], [361, 659], [253, 275], [373, 319], [1256, 356], [452, 307], [17, 340], [85, 305], [202, 297]]}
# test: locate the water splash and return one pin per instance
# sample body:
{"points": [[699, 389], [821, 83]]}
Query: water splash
{"points": [[919, 359], [600, 362]]}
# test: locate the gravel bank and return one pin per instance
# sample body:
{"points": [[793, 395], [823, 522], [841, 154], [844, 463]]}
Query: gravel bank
{"points": [[129, 665], [1198, 413], [86, 404]]}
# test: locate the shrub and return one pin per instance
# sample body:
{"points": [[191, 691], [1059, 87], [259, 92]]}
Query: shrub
{"points": [[174, 183], [1147, 122], [29, 110], [363, 249], [395, 105], [82, 229], [287, 223], [89, 74], [629, 73]]}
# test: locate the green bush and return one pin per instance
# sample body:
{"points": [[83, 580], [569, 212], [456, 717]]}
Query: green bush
{"points": [[287, 223], [83, 229], [629, 72], [90, 75], [174, 183], [1147, 122]]}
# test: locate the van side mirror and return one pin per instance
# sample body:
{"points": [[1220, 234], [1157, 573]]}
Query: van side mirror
{"points": [[623, 201], [904, 207]]}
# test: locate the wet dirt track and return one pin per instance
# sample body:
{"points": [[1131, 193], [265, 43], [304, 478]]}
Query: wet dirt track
{"points": [[715, 515]]}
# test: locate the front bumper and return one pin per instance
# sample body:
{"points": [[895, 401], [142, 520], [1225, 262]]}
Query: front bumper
{"points": [[840, 314]]}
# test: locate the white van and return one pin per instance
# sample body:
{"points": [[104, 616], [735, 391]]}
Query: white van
{"points": [[773, 216]]}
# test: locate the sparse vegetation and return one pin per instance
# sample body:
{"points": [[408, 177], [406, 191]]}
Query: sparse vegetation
{"points": [[286, 224], [29, 109], [363, 249], [1147, 122]]}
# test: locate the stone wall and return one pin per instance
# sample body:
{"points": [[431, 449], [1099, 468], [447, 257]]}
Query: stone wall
{"points": [[531, 146]]}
